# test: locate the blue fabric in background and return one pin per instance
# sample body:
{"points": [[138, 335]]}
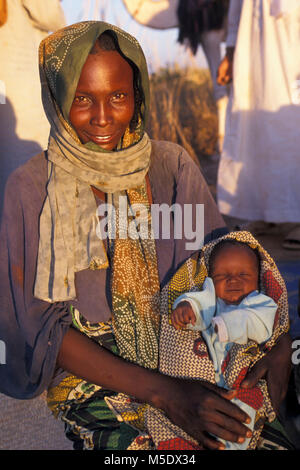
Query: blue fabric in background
{"points": [[290, 271]]}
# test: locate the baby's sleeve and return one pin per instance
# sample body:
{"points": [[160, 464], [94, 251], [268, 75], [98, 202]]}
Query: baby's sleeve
{"points": [[253, 320], [203, 304]]}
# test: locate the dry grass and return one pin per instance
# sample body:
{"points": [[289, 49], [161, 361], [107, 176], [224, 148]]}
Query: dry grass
{"points": [[183, 110]]}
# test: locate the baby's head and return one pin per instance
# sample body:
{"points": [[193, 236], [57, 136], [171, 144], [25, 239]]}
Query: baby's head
{"points": [[234, 268]]}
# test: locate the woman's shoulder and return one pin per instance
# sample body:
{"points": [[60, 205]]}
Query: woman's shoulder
{"points": [[169, 150], [28, 180], [170, 157], [35, 169]]}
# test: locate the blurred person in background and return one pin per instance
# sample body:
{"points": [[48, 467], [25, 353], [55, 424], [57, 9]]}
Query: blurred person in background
{"points": [[203, 23], [258, 172], [24, 128]]}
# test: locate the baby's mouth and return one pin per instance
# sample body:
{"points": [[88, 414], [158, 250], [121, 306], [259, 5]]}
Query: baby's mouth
{"points": [[234, 296]]}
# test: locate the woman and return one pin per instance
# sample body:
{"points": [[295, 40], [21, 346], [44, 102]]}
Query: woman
{"points": [[61, 278]]}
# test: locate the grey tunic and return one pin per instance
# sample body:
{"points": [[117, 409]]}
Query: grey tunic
{"points": [[31, 329]]}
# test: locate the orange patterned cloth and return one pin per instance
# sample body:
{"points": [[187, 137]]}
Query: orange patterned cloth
{"points": [[136, 290]]}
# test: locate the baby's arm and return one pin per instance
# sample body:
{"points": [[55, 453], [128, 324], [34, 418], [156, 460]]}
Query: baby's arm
{"points": [[183, 315], [201, 306], [254, 320]]}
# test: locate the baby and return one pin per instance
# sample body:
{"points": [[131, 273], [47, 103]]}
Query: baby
{"points": [[230, 309]]}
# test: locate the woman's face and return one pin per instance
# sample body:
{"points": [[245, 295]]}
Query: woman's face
{"points": [[103, 105], [235, 274]]}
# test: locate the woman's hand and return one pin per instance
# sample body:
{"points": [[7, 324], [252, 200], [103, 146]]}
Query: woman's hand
{"points": [[275, 367], [225, 70], [204, 410]]}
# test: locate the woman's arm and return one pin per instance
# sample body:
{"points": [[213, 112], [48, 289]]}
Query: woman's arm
{"points": [[207, 410], [31, 329], [277, 359]]}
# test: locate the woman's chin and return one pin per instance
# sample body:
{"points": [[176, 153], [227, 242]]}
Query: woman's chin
{"points": [[107, 142]]}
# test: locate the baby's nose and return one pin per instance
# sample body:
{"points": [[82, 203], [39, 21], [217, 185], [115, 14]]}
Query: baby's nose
{"points": [[233, 279]]}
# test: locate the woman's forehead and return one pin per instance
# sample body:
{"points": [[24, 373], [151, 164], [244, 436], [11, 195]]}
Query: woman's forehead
{"points": [[106, 69]]}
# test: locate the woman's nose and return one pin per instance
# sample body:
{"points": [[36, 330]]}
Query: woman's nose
{"points": [[101, 114]]}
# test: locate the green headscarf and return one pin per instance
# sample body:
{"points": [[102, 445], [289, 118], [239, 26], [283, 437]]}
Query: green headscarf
{"points": [[64, 53]]}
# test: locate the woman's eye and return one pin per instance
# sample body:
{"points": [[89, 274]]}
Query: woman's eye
{"points": [[81, 100], [119, 97]]}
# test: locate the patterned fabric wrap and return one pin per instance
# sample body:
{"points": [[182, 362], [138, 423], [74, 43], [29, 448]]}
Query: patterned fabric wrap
{"points": [[183, 353], [135, 287]]}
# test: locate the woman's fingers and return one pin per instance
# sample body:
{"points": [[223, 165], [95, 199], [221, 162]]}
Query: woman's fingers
{"points": [[257, 372], [219, 417], [228, 428], [229, 407], [278, 358], [206, 413], [225, 435], [216, 425], [276, 386], [210, 443], [210, 418], [226, 414]]}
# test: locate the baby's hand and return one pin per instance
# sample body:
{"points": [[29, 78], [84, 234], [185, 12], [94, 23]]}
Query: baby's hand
{"points": [[182, 315]]}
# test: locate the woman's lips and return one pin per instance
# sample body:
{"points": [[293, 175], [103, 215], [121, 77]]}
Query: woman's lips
{"points": [[100, 139]]}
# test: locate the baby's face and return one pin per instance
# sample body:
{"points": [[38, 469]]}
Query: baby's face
{"points": [[235, 274]]}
